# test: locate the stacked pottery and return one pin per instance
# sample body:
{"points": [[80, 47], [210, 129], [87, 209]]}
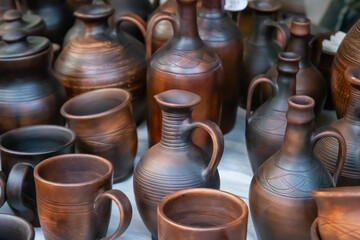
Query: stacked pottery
{"points": [[265, 128], [6, 5], [280, 191]]}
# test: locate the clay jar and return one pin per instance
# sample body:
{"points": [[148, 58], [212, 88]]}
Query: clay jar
{"points": [[349, 126], [202, 214], [348, 55], [12, 227], [175, 163], [29, 93], [103, 123], [283, 184], [101, 59], [222, 35], [265, 128], [186, 63]]}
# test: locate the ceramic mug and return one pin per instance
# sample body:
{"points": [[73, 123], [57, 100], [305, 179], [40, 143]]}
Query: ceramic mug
{"points": [[202, 214], [16, 228], [21, 150], [73, 193]]}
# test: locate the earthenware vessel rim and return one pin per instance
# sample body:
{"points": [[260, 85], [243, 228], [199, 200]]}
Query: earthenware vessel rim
{"points": [[170, 100], [269, 6], [25, 223], [338, 192], [289, 56], [42, 128], [352, 74], [203, 191], [97, 94], [88, 11], [301, 102], [60, 158]]}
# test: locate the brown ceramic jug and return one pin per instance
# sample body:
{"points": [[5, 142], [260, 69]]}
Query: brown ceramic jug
{"points": [[260, 48], [222, 35], [280, 191], [186, 63], [349, 126], [101, 59], [265, 128], [348, 55], [29, 93], [175, 163], [15, 228]]}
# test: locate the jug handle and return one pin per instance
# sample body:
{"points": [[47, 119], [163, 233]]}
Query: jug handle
{"points": [[133, 18], [332, 132], [125, 210], [217, 139], [315, 46], [253, 84], [282, 28], [2, 188], [155, 4], [152, 24]]}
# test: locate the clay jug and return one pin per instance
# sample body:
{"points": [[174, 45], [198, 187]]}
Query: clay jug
{"points": [[186, 63], [265, 128], [260, 48], [280, 191], [175, 163], [102, 59], [29, 93], [349, 126], [348, 55], [222, 35]]}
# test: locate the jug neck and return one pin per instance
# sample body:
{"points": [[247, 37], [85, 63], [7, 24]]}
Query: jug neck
{"points": [[213, 5], [300, 46], [95, 27], [260, 33]]}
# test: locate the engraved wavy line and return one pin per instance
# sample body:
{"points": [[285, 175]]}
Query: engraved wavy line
{"points": [[346, 229]]}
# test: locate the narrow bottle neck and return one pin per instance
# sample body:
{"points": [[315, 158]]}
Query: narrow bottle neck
{"points": [[353, 110], [259, 32], [95, 27], [213, 5], [286, 83], [188, 21], [300, 46]]}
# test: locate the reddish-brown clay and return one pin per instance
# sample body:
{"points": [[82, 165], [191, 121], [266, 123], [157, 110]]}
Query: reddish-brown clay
{"points": [[175, 163], [104, 125], [73, 193], [280, 191], [15, 228], [202, 214]]}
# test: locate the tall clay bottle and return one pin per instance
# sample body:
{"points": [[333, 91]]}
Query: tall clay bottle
{"points": [[260, 48], [349, 126], [175, 163], [280, 191], [221, 34], [186, 63], [265, 128]]}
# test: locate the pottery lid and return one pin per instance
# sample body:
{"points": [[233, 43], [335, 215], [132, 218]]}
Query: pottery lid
{"points": [[16, 43], [95, 11], [14, 19]]}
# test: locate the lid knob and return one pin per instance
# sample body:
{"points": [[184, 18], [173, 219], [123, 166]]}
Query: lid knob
{"points": [[15, 35], [12, 15]]}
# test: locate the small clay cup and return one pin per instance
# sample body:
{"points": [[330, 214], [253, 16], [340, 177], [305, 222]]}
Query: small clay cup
{"points": [[15, 228], [202, 214], [73, 193], [21, 150], [104, 126]]}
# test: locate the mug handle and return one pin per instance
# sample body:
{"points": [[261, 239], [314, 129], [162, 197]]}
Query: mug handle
{"points": [[282, 28], [124, 206], [2, 188], [133, 18], [332, 132], [217, 139]]}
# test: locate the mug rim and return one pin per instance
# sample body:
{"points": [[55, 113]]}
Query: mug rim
{"points": [[208, 191]]}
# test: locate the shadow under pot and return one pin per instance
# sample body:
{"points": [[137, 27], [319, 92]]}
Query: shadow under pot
{"points": [[15, 228], [104, 125], [21, 150]]}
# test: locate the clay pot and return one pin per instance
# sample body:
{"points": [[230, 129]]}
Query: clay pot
{"points": [[348, 55], [327, 148], [12, 227], [338, 214], [265, 128], [260, 48], [283, 184], [222, 35], [104, 125], [73, 193], [30, 94], [325, 64], [202, 214], [101, 59], [186, 63], [21, 150], [175, 163]]}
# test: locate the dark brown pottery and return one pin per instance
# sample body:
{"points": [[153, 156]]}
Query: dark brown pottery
{"points": [[265, 128], [280, 191], [29, 92], [186, 63], [222, 35], [15, 228], [348, 55], [73, 193], [101, 59], [6, 5], [202, 214], [104, 125], [260, 48], [349, 126], [21, 150], [175, 163], [2, 188]]}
